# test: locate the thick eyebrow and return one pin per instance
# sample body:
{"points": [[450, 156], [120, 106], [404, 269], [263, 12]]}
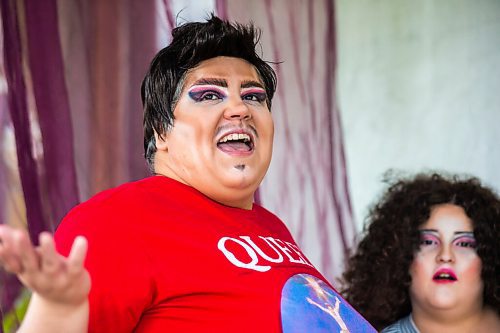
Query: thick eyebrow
{"points": [[251, 83], [210, 81], [223, 83]]}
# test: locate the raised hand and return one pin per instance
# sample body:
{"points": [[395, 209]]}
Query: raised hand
{"points": [[51, 275], [60, 284]]}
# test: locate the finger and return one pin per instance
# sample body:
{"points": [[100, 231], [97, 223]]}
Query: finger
{"points": [[77, 255], [26, 252], [8, 256], [50, 259], [3, 230], [6, 233]]}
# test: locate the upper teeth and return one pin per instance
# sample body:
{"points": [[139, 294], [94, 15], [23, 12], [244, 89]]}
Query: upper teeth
{"points": [[235, 136], [445, 276]]}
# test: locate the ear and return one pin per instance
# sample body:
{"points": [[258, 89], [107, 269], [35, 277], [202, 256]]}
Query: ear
{"points": [[161, 142]]}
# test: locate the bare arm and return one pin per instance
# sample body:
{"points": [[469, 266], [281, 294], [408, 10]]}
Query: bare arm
{"points": [[60, 285]]}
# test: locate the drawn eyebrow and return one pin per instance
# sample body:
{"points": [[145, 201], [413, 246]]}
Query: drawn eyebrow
{"points": [[464, 233], [223, 83], [456, 233], [251, 83], [210, 81]]}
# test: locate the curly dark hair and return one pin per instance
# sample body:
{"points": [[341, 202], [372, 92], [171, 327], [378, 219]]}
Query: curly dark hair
{"points": [[377, 279], [191, 44]]}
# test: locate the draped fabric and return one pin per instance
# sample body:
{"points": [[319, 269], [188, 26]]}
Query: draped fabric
{"points": [[107, 46], [71, 118], [73, 71], [306, 185]]}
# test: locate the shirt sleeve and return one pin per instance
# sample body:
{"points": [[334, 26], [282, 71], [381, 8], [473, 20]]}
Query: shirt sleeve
{"points": [[121, 285]]}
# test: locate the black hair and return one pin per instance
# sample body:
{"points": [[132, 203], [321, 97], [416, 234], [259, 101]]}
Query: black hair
{"points": [[191, 44]]}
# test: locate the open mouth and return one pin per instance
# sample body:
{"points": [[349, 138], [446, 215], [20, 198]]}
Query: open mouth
{"points": [[236, 143], [444, 276]]}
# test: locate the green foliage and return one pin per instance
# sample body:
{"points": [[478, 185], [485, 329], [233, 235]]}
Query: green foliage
{"points": [[12, 319]]}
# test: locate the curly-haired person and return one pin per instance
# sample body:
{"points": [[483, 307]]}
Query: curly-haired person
{"points": [[429, 258]]}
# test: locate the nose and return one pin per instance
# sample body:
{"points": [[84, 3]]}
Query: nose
{"points": [[445, 255], [237, 109]]}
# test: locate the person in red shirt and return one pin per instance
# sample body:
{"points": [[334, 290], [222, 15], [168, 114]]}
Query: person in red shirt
{"points": [[187, 249]]}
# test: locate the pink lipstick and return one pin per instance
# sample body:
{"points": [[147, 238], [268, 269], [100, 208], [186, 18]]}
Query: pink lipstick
{"points": [[444, 275]]}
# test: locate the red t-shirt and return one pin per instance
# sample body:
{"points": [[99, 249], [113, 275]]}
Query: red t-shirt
{"points": [[165, 258]]}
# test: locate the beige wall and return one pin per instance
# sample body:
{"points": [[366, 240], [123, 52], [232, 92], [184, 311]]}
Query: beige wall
{"points": [[419, 89]]}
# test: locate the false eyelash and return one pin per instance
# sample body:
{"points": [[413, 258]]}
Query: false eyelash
{"points": [[472, 242], [198, 94], [261, 96], [425, 238]]}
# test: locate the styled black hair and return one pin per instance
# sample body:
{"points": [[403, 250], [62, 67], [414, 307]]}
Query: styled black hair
{"points": [[191, 44], [377, 278]]}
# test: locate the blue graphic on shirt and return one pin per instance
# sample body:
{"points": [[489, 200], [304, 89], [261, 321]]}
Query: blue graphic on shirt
{"points": [[309, 305]]}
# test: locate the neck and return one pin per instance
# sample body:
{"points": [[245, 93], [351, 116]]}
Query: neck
{"points": [[245, 202], [484, 321], [163, 169]]}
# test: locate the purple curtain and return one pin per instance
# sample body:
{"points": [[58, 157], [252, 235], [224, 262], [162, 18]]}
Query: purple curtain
{"points": [[18, 107], [57, 173], [73, 71], [306, 185], [19, 112]]}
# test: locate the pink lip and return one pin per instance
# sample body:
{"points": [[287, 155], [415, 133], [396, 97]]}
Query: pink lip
{"points": [[452, 276]]}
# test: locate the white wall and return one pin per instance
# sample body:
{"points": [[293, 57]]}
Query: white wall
{"points": [[419, 88]]}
